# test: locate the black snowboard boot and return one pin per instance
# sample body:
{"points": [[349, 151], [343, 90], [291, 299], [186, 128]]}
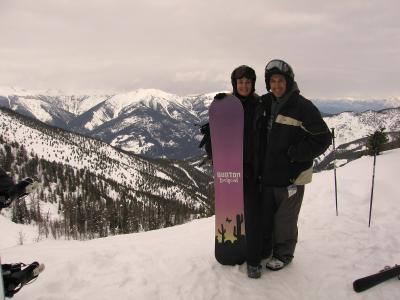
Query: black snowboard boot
{"points": [[17, 275], [254, 271]]}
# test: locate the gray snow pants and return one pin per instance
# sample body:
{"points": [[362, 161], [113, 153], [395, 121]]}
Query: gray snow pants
{"points": [[281, 208]]}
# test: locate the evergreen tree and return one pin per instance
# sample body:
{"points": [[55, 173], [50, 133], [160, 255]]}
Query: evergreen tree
{"points": [[376, 141]]}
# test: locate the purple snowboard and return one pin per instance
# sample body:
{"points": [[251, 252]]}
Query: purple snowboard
{"points": [[226, 127]]}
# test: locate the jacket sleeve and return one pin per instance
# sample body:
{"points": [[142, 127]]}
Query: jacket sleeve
{"points": [[6, 182], [206, 140], [317, 137]]}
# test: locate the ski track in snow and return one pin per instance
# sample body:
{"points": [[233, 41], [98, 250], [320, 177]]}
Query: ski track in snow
{"points": [[178, 262], [187, 174]]}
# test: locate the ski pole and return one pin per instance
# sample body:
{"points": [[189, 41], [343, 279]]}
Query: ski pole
{"points": [[334, 168], [372, 190]]}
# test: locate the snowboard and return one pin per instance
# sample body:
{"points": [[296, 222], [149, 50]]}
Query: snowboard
{"points": [[365, 283], [226, 129]]}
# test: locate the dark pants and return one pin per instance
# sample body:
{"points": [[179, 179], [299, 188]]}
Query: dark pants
{"points": [[280, 216], [253, 224]]}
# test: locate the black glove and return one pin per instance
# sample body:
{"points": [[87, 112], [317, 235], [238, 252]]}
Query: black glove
{"points": [[220, 96], [19, 189], [206, 141]]}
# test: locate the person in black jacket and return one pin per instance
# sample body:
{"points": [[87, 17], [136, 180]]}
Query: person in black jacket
{"points": [[295, 135], [16, 275], [243, 80]]}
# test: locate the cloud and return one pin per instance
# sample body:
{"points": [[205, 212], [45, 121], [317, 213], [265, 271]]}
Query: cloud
{"points": [[199, 76], [337, 48]]}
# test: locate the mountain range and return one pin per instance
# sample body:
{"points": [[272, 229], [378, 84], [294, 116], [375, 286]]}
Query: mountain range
{"points": [[149, 122], [154, 123], [106, 160]]}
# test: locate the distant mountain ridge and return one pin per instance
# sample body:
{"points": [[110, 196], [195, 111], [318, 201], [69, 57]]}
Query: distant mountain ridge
{"points": [[352, 130], [338, 106], [350, 126], [159, 124]]}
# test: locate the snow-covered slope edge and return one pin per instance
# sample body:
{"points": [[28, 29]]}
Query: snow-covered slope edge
{"points": [[178, 262]]}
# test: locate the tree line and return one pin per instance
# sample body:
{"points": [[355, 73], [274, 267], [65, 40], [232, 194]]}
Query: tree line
{"points": [[89, 205]]}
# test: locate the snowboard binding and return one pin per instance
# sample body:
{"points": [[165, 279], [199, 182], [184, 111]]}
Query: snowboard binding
{"points": [[387, 268], [15, 276]]}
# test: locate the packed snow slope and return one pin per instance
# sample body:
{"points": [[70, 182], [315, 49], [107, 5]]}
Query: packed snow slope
{"points": [[178, 262]]}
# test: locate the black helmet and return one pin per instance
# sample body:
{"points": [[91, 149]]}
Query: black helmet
{"points": [[240, 72], [278, 66]]}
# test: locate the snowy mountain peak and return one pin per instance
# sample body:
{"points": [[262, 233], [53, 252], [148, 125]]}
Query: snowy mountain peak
{"points": [[148, 97]]}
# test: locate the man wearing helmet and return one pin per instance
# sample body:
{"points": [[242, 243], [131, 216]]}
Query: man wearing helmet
{"points": [[295, 135], [243, 80]]}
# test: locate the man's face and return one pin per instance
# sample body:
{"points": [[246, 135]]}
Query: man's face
{"points": [[278, 85], [244, 86]]}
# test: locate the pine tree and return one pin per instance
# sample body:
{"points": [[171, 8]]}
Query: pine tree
{"points": [[376, 141], [396, 140]]}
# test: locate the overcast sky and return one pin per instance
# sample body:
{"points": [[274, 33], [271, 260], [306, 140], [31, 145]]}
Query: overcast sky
{"points": [[336, 48]]}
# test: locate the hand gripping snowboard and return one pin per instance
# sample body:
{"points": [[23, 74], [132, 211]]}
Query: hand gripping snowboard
{"points": [[226, 128]]}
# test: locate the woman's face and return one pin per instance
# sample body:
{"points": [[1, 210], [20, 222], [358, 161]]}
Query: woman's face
{"points": [[244, 86]]}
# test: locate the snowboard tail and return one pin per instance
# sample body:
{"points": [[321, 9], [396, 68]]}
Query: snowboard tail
{"points": [[228, 252]]}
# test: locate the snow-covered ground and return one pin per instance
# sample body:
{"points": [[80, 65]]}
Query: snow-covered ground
{"points": [[178, 262]]}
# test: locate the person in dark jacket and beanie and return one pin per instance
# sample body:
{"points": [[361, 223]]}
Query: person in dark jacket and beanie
{"points": [[295, 135], [243, 80]]}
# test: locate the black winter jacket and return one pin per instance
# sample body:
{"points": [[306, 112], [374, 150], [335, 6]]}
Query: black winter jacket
{"points": [[298, 134], [253, 122]]}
